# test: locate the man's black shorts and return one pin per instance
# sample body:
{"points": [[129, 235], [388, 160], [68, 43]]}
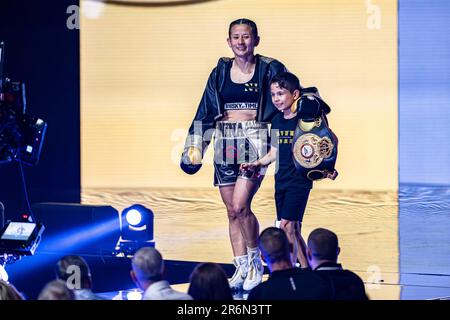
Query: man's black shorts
{"points": [[291, 203]]}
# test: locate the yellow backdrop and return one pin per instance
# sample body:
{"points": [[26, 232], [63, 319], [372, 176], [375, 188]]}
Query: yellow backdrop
{"points": [[144, 70]]}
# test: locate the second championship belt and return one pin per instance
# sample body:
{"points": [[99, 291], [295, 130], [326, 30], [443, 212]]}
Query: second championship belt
{"points": [[314, 147]]}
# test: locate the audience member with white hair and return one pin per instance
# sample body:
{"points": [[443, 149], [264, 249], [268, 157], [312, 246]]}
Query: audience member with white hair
{"points": [[148, 274]]}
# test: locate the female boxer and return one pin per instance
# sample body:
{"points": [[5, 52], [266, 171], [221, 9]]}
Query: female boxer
{"points": [[237, 105]]}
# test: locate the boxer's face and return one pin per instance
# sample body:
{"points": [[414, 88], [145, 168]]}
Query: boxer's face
{"points": [[241, 40], [282, 98]]}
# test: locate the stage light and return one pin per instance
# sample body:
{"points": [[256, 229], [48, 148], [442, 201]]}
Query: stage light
{"points": [[134, 217], [137, 218], [136, 230]]}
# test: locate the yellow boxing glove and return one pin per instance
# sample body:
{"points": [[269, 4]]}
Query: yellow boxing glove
{"points": [[191, 160], [195, 156]]}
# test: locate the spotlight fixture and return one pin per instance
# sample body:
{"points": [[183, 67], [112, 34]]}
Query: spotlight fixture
{"points": [[136, 230], [134, 217]]}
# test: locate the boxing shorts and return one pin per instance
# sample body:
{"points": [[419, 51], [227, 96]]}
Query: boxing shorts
{"points": [[314, 147], [236, 143]]}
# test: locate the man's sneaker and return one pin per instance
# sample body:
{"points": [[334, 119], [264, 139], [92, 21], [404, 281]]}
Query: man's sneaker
{"points": [[255, 271], [237, 280]]}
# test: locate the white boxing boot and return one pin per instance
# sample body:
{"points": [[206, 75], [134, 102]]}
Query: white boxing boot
{"points": [[255, 269], [237, 280]]}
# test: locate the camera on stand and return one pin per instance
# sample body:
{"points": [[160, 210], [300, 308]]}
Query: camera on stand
{"points": [[21, 139], [21, 135]]}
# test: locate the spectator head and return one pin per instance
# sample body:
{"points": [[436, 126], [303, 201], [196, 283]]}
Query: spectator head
{"points": [[209, 281], [274, 246], [56, 290], [147, 266], [69, 268], [9, 292], [322, 246]]}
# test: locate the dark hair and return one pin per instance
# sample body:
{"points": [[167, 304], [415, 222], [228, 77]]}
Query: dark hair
{"points": [[62, 272], [209, 281], [248, 22], [274, 245], [323, 244], [287, 80], [9, 292], [56, 290]]}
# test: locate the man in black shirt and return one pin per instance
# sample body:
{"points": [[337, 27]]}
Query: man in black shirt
{"points": [[285, 281], [322, 254]]}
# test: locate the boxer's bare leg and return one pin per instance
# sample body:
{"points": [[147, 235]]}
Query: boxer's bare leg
{"points": [[244, 191], [238, 243]]}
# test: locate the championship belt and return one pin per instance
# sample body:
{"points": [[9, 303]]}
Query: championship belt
{"points": [[314, 147]]}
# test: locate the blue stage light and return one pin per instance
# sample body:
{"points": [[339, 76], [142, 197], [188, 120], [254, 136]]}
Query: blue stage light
{"points": [[136, 230]]}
